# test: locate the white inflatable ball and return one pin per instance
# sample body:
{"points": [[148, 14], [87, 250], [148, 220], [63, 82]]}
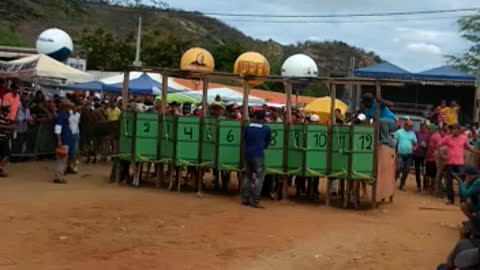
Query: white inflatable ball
{"points": [[299, 65], [55, 43]]}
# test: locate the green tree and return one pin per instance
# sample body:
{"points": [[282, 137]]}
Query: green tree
{"points": [[164, 50], [470, 60], [225, 56]]}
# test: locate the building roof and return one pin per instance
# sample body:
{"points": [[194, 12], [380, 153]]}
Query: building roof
{"points": [[383, 70], [445, 73]]}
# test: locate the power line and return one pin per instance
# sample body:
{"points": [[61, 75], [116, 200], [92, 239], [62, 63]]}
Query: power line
{"points": [[344, 21], [379, 14]]}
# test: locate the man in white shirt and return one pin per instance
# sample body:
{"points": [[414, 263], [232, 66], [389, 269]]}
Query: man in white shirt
{"points": [[74, 121]]}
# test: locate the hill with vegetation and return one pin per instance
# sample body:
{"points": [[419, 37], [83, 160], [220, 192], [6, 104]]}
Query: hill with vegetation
{"points": [[104, 32]]}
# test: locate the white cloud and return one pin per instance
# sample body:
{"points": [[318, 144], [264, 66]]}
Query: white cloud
{"points": [[427, 48]]}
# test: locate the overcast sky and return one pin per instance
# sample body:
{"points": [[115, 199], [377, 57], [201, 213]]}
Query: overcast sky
{"points": [[413, 45]]}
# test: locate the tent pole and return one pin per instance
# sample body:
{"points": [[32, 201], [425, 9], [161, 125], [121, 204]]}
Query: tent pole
{"points": [[126, 76], [164, 93]]}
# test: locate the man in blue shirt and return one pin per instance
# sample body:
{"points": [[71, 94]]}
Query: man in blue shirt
{"points": [[406, 142], [257, 137], [64, 139], [388, 120]]}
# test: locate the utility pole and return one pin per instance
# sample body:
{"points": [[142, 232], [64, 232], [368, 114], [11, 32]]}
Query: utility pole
{"points": [[350, 94], [137, 62], [476, 110]]}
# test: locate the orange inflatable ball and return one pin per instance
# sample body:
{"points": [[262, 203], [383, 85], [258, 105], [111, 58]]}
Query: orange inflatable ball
{"points": [[252, 64], [197, 59]]}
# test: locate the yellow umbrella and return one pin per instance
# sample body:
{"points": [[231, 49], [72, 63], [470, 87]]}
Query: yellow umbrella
{"points": [[321, 107]]}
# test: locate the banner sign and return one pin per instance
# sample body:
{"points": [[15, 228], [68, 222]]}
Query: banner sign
{"points": [[17, 70]]}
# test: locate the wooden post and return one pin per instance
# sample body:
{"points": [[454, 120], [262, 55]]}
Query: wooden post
{"points": [[476, 111], [126, 77], [202, 121], [160, 114], [333, 95], [287, 123], [246, 91], [245, 118], [378, 97]]}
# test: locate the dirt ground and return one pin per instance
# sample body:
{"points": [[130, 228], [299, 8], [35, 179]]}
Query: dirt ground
{"points": [[90, 224]]}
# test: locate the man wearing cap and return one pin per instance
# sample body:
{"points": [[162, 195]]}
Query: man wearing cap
{"points": [[257, 137], [6, 129], [64, 139], [406, 142], [456, 143]]}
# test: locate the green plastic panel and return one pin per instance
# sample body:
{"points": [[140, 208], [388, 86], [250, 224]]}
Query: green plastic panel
{"points": [[274, 152], [229, 139], [126, 135], [146, 134], [316, 154], [363, 152], [167, 138], [187, 139], [296, 150], [340, 154], [209, 142]]}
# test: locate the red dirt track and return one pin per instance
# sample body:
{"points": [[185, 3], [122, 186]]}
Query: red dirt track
{"points": [[90, 224]]}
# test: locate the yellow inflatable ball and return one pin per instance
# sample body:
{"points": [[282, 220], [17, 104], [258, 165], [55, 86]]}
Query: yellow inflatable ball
{"points": [[198, 60], [252, 64]]}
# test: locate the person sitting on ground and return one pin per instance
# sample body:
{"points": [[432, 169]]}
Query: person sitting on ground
{"points": [[469, 191], [6, 129], [464, 256]]}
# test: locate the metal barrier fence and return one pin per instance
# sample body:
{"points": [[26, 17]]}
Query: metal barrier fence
{"points": [[37, 140]]}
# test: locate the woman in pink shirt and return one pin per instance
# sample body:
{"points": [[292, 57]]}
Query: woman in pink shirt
{"points": [[456, 144], [430, 163]]}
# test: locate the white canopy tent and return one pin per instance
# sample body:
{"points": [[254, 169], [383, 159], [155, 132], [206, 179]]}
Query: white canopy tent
{"points": [[46, 67], [232, 96]]}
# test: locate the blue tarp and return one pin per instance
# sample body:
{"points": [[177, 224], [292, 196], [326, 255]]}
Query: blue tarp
{"points": [[383, 70], [88, 86], [444, 73], [143, 85]]}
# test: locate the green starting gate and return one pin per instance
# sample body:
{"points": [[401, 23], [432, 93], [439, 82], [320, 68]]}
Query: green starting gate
{"points": [[216, 143], [352, 152], [274, 154], [208, 153], [146, 134], [127, 124], [229, 137], [179, 140]]}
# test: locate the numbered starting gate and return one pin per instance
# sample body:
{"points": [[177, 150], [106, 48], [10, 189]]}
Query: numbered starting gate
{"points": [[352, 154], [127, 124], [179, 140], [138, 136], [274, 154], [229, 138], [216, 143]]}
